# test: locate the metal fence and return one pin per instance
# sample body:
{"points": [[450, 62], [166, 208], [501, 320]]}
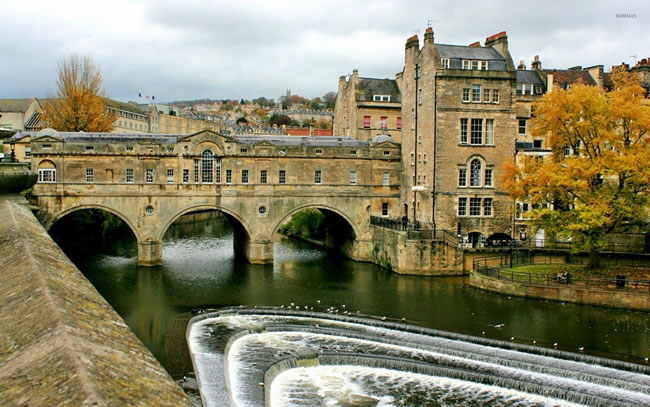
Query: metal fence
{"points": [[414, 230], [541, 244], [504, 268]]}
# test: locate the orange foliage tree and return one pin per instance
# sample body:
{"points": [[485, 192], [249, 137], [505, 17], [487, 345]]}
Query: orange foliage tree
{"points": [[597, 179], [80, 103]]}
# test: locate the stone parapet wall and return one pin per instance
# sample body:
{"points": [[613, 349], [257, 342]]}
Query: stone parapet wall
{"points": [[565, 293], [392, 250], [61, 342]]}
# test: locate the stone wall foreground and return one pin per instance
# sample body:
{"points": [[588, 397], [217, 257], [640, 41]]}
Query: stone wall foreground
{"points": [[61, 343]]}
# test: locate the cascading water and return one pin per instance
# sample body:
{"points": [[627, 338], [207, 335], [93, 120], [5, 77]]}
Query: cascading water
{"points": [[287, 358]]}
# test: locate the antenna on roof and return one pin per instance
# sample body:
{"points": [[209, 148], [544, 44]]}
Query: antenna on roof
{"points": [[429, 23], [634, 56]]}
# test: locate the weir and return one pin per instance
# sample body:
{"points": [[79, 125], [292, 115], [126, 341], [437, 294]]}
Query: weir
{"points": [[357, 357]]}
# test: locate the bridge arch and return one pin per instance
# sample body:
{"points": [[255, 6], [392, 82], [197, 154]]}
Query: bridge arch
{"points": [[332, 209], [51, 221], [195, 208]]}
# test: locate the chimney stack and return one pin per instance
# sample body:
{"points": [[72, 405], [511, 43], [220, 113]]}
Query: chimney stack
{"points": [[411, 50], [536, 64], [521, 66], [428, 36], [475, 44]]}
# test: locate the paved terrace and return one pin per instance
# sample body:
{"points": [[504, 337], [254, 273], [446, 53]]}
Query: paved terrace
{"points": [[61, 343]]}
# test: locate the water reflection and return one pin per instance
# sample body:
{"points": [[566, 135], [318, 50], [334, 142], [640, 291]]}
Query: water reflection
{"points": [[200, 271]]}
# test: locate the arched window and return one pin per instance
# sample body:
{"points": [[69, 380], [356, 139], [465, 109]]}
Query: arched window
{"points": [[46, 172], [207, 167], [475, 173]]}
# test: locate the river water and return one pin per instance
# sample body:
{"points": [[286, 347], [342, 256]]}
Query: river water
{"points": [[200, 272]]}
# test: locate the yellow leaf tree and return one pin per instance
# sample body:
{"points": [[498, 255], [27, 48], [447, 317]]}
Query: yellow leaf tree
{"points": [[597, 179], [80, 103]]}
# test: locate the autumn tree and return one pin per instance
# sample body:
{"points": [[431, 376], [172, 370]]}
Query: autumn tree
{"points": [[80, 103], [597, 179]]}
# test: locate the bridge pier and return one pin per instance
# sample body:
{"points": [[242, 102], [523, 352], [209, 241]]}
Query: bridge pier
{"points": [[259, 251], [150, 252]]}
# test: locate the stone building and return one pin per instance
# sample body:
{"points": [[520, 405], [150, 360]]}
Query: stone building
{"points": [[367, 107], [130, 117], [458, 109]]}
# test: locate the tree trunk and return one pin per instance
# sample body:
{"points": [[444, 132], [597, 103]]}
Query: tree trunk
{"points": [[594, 259]]}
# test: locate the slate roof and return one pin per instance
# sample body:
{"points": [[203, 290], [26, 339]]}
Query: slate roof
{"points": [[457, 53], [127, 107], [323, 141], [528, 77], [368, 87], [570, 76], [14, 105], [79, 137]]}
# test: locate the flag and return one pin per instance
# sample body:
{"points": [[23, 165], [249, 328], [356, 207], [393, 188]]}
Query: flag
{"points": [[153, 97], [139, 94]]}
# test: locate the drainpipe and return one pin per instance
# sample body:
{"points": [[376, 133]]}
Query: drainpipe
{"points": [[415, 156], [435, 149]]}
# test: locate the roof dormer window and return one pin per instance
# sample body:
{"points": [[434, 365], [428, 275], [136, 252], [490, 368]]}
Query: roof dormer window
{"points": [[445, 63], [381, 98]]}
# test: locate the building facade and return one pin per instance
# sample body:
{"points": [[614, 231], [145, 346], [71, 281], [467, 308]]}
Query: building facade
{"points": [[367, 107], [458, 109]]}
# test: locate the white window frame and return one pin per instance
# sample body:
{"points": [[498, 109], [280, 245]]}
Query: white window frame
{"points": [[476, 93], [170, 175], [386, 178], [318, 177], [467, 64], [90, 176], [495, 95], [488, 210], [128, 176], [47, 175], [484, 66], [466, 95], [186, 175], [28, 151], [462, 206], [353, 178], [488, 177], [473, 208], [263, 177], [282, 177], [445, 63], [489, 132], [148, 176], [464, 130], [244, 176], [462, 177], [228, 176]]}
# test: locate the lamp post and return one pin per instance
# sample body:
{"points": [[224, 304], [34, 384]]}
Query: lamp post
{"points": [[12, 145]]}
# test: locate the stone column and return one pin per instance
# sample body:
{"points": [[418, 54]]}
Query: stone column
{"points": [[149, 252], [259, 251]]}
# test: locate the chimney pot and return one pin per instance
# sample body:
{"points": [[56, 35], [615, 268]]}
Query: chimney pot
{"points": [[475, 44]]}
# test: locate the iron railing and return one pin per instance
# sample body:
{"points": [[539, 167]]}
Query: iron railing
{"points": [[542, 244], [504, 268], [414, 230]]}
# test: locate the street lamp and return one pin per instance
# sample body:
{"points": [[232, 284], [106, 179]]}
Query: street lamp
{"points": [[12, 145]]}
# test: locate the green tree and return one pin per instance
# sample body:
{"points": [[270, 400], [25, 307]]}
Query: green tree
{"points": [[329, 98], [597, 180], [80, 103]]}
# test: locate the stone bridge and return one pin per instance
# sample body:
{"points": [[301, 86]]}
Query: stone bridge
{"points": [[257, 182]]}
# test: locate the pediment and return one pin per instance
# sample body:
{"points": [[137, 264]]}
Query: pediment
{"points": [[386, 144], [46, 139], [205, 135]]}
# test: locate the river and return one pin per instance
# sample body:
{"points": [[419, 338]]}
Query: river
{"points": [[200, 271]]}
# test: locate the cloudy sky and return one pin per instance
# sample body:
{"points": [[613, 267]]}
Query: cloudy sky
{"points": [[222, 49]]}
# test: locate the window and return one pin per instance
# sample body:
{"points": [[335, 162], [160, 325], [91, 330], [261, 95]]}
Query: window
{"points": [[462, 206], [170, 149], [366, 122], [475, 173], [353, 152], [384, 209], [381, 98], [467, 64], [445, 63], [476, 93], [486, 95], [424, 159], [495, 95], [386, 153], [419, 158], [243, 150], [319, 151], [484, 65], [383, 122], [487, 207], [477, 131], [186, 175], [47, 146], [90, 148], [28, 151], [244, 176], [217, 167], [522, 127], [474, 206], [129, 175], [262, 176], [148, 176], [412, 158], [170, 176], [353, 178], [462, 177], [283, 151], [386, 179], [489, 131], [228, 176], [318, 177], [488, 177], [47, 175], [463, 131], [538, 144], [129, 148], [465, 94], [196, 170], [567, 150], [475, 65], [399, 123], [90, 175], [207, 167], [282, 177]]}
